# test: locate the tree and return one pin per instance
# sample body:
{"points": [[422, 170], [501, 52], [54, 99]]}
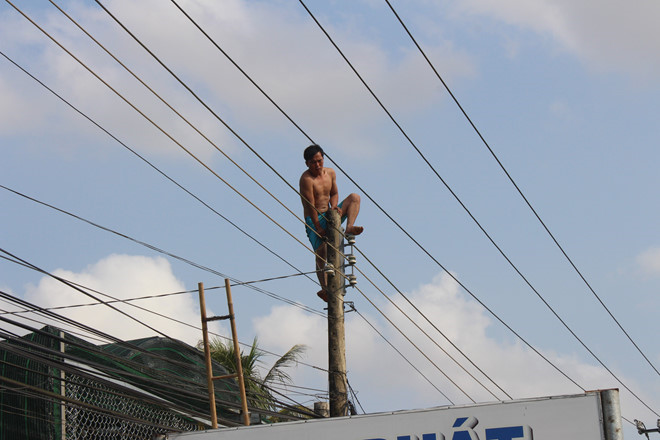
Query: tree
{"points": [[257, 388]]}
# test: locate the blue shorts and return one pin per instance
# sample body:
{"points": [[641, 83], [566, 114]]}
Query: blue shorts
{"points": [[314, 238]]}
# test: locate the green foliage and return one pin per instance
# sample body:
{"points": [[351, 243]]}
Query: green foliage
{"points": [[257, 388]]}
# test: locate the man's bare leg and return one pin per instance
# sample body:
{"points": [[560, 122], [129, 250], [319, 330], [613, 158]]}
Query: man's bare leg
{"points": [[320, 273], [351, 208]]}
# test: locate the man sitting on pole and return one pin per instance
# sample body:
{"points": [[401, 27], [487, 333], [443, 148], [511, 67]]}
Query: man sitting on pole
{"points": [[318, 192]]}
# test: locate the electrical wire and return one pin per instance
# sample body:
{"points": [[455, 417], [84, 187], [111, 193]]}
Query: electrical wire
{"points": [[177, 77], [309, 138], [169, 254], [206, 138], [261, 90], [222, 121], [354, 394], [42, 309], [144, 160], [128, 302], [176, 392], [144, 115], [471, 215], [402, 333], [99, 372], [138, 298], [66, 282], [513, 182], [63, 281], [159, 128], [395, 305], [102, 129], [30, 20], [405, 358]]}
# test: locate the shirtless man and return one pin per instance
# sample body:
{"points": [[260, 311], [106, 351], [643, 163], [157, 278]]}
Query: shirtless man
{"points": [[318, 192]]}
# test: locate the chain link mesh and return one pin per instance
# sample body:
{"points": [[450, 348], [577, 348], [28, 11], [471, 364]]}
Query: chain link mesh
{"points": [[88, 424]]}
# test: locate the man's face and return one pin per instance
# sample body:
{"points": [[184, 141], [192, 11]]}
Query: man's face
{"points": [[315, 164]]}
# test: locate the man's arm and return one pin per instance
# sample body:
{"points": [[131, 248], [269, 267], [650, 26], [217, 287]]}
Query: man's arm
{"points": [[334, 192], [307, 198]]}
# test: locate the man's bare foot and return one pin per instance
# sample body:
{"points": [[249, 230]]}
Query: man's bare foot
{"points": [[354, 230], [323, 295]]}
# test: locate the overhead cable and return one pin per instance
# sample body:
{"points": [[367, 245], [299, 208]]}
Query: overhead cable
{"points": [[294, 237], [159, 128], [405, 358], [206, 138], [273, 102], [513, 182], [148, 163], [128, 102], [63, 281], [471, 215], [396, 223], [175, 394], [129, 302]]}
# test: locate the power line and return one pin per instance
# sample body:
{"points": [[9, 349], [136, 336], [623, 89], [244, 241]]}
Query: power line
{"points": [[261, 90], [292, 121], [63, 281], [416, 347], [129, 300], [402, 356], [155, 382], [174, 393], [163, 131], [148, 163], [208, 108], [435, 327], [214, 113], [141, 112], [513, 182], [296, 125], [167, 104], [468, 211]]}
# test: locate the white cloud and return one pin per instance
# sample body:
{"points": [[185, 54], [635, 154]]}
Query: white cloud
{"points": [[123, 277], [649, 261], [278, 46], [393, 384], [82, 89], [614, 35]]}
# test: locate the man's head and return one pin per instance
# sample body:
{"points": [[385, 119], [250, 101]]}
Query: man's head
{"points": [[311, 152], [314, 159]]}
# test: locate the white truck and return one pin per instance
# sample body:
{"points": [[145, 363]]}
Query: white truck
{"points": [[594, 415]]}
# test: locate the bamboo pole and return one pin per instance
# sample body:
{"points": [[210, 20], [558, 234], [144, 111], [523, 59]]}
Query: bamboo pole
{"points": [[237, 350], [207, 356]]}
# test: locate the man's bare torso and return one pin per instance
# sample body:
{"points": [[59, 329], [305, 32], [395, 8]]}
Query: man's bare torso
{"points": [[320, 186]]}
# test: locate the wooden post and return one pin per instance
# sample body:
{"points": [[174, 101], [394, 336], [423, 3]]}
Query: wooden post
{"points": [[207, 356], [237, 350], [322, 409], [336, 335], [62, 389]]}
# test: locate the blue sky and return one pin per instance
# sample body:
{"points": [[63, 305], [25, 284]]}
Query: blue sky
{"points": [[563, 93]]}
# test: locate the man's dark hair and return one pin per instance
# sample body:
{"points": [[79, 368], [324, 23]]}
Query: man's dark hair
{"points": [[311, 152]]}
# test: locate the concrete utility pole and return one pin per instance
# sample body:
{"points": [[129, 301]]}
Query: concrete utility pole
{"points": [[336, 335]]}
